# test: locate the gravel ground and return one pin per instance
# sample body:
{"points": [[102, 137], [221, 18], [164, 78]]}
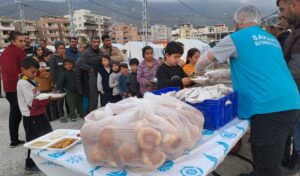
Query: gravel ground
{"points": [[12, 161]]}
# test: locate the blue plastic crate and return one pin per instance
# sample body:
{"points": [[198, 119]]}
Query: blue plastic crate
{"points": [[166, 90], [217, 113]]}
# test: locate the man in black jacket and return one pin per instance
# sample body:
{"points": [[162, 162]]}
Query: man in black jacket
{"points": [[290, 10], [87, 71]]}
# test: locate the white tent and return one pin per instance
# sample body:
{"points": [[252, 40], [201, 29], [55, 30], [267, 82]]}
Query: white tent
{"points": [[134, 50], [119, 46], [193, 43]]}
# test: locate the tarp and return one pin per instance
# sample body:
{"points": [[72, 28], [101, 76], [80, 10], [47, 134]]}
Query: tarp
{"points": [[134, 50], [193, 43]]}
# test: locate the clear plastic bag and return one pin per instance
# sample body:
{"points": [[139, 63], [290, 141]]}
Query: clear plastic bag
{"points": [[141, 134]]}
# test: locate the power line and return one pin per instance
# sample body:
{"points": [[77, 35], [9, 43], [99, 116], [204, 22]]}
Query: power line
{"points": [[115, 11], [196, 11], [38, 9], [22, 17]]}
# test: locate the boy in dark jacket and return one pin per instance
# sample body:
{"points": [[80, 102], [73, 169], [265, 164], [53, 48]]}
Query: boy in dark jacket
{"points": [[56, 69], [123, 79], [132, 83], [67, 83], [170, 74], [103, 81]]}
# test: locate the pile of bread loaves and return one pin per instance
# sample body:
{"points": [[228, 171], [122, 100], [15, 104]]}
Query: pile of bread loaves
{"points": [[143, 135]]}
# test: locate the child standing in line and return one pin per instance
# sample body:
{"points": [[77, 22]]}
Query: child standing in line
{"points": [[170, 74], [103, 81], [123, 79], [193, 56], [147, 70], [114, 83], [67, 83], [132, 84], [35, 122]]}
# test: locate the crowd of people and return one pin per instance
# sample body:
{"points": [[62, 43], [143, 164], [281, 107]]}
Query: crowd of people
{"points": [[84, 75], [264, 71]]}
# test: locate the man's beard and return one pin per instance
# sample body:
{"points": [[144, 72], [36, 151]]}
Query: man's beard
{"points": [[292, 19]]}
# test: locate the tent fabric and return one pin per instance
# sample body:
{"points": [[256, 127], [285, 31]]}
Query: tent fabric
{"points": [[193, 43], [134, 50]]}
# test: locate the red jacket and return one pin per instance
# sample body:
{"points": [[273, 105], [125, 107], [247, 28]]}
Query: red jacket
{"points": [[10, 62]]}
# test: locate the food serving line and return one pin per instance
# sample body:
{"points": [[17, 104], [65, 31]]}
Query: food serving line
{"points": [[63, 152]]}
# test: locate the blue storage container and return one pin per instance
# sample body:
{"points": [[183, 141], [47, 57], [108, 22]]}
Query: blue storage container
{"points": [[166, 90], [217, 113]]}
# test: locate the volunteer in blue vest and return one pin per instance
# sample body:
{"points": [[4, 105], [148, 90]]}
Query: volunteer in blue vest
{"points": [[267, 93]]}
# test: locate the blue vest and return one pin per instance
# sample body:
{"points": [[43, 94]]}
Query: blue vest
{"points": [[260, 74]]}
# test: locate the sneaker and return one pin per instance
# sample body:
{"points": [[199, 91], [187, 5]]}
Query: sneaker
{"points": [[294, 166], [73, 120], [63, 119], [15, 144]]}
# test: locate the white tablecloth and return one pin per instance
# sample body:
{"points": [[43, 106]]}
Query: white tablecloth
{"points": [[209, 153]]}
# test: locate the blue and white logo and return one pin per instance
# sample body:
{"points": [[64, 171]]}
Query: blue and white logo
{"points": [[227, 135], [49, 163], [166, 166], [240, 128], [118, 173], [56, 155], [92, 171], [207, 132], [191, 171], [41, 151], [212, 159], [225, 145], [74, 159]]}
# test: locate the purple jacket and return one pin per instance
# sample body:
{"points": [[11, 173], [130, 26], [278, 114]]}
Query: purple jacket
{"points": [[145, 74]]}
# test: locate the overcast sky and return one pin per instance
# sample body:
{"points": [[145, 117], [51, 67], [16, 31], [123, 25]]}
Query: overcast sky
{"points": [[256, 2]]}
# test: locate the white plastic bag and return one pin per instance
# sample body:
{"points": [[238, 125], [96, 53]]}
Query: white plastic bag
{"points": [[141, 133]]}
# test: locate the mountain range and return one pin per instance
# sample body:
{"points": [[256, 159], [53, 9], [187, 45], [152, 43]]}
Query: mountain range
{"points": [[169, 12]]}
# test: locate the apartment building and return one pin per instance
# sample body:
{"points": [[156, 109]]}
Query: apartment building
{"points": [[123, 33], [6, 26]]}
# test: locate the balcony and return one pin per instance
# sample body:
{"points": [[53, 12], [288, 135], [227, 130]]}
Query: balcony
{"points": [[52, 35], [30, 28], [51, 27], [91, 28], [7, 28], [90, 22], [4, 36]]}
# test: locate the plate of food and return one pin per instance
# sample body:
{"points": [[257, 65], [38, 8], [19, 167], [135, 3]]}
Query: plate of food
{"points": [[45, 96], [200, 79], [51, 141], [154, 80], [37, 144], [63, 143]]}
